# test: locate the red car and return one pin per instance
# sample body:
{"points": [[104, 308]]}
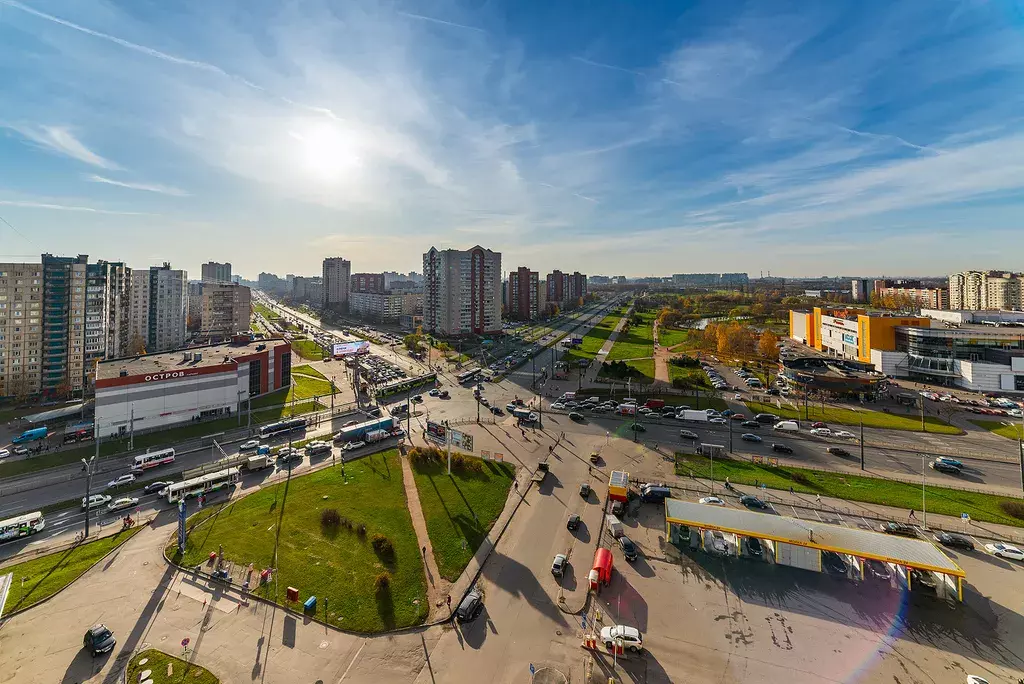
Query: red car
{"points": [[819, 424], [738, 416]]}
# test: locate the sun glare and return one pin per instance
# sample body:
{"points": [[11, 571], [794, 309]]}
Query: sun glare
{"points": [[328, 152]]}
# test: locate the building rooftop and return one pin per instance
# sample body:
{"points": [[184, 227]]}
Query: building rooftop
{"points": [[828, 366], [889, 548], [182, 359]]}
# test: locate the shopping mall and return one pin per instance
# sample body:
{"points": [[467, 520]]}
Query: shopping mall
{"points": [[932, 347]]}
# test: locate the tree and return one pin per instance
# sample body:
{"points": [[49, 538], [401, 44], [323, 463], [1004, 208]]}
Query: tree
{"points": [[767, 345], [412, 342], [137, 346]]}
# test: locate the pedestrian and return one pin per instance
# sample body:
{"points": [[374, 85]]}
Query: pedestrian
{"points": [[790, 489], [424, 551], [818, 497], [911, 513]]}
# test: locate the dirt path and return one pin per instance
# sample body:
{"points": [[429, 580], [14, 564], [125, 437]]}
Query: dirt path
{"points": [[661, 357], [437, 588]]}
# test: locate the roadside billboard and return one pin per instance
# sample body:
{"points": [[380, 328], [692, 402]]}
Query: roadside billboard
{"points": [[462, 440], [437, 432], [343, 349]]}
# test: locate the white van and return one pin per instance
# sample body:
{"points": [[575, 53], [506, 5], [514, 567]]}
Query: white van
{"points": [[786, 426], [568, 396]]}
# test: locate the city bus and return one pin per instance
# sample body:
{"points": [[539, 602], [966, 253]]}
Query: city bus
{"points": [[79, 432], [204, 484], [22, 526], [31, 435], [152, 459], [468, 376], [282, 427]]}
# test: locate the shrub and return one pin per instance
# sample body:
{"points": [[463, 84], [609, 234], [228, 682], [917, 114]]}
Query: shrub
{"points": [[330, 519], [382, 582], [361, 531], [1013, 508], [383, 546]]}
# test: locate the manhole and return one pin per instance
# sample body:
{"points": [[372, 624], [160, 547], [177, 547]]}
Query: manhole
{"points": [[324, 644]]}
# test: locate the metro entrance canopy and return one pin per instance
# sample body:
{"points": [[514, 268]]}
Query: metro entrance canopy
{"points": [[913, 553]]}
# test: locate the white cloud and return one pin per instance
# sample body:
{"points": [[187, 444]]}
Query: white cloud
{"points": [[146, 187], [24, 204], [61, 140]]}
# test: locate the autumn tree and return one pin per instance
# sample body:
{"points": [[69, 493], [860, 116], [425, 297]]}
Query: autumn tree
{"points": [[137, 345], [767, 346]]}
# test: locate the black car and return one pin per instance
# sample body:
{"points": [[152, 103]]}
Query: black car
{"points": [[573, 522], [922, 580], [688, 434], [899, 528], [833, 563], [752, 424], [154, 487], [639, 427], [878, 570], [496, 410], [470, 607], [754, 547], [946, 467], [628, 548], [418, 398], [837, 451], [782, 448], [753, 502], [954, 540], [99, 639]]}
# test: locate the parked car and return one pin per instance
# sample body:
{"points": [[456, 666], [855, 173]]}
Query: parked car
{"points": [[20, 450], [819, 424], [753, 502], [496, 410], [878, 570], [4, 453], [711, 500], [899, 528], [750, 437], [628, 548], [576, 416], [754, 547], [470, 606], [155, 486], [833, 563], [837, 451], [121, 481], [630, 637], [924, 579], [718, 543], [1005, 551], [251, 445], [573, 522], [122, 503], [558, 564], [954, 540], [585, 490], [782, 448], [98, 639]]}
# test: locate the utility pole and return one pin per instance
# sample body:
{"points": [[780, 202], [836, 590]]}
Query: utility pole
{"points": [[88, 479], [730, 434], [923, 428], [131, 429], [924, 507], [862, 443], [408, 417], [1020, 451]]}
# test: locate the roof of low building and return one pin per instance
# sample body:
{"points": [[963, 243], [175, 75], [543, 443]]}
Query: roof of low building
{"points": [[181, 359]]}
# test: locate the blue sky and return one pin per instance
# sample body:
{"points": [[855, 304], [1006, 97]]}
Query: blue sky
{"points": [[609, 137]]}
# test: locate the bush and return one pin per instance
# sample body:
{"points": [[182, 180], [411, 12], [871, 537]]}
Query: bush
{"points": [[383, 546], [1013, 508], [382, 582], [330, 519], [361, 531]]}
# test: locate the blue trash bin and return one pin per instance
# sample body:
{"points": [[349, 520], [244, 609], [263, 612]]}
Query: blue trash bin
{"points": [[310, 605]]}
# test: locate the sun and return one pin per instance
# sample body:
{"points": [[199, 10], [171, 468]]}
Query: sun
{"points": [[328, 152]]}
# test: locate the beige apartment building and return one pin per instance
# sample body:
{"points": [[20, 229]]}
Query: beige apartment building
{"points": [[985, 290], [21, 331]]}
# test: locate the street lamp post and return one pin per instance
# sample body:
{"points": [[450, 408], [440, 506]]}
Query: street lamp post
{"points": [[924, 507], [730, 435], [88, 480]]}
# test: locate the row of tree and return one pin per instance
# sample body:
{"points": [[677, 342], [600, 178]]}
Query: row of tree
{"points": [[736, 339]]}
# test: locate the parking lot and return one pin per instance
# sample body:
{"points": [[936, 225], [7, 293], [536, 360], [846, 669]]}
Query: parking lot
{"points": [[706, 617]]}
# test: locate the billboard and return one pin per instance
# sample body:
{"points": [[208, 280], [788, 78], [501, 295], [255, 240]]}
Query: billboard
{"points": [[462, 440], [577, 341], [344, 349], [437, 432]]}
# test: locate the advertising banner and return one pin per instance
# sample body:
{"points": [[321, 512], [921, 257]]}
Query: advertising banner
{"points": [[437, 432], [344, 349], [462, 440], [181, 526]]}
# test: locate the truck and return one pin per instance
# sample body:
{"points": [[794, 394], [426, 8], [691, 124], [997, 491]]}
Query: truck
{"points": [[31, 435], [520, 412], [258, 462], [358, 431], [376, 436], [541, 472], [614, 526], [250, 462], [626, 409], [699, 416], [655, 403]]}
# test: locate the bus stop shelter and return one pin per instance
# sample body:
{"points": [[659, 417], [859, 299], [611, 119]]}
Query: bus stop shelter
{"points": [[800, 543]]}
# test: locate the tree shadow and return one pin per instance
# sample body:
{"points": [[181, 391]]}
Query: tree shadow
{"points": [[385, 608]]}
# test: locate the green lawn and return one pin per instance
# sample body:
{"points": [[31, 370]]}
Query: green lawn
{"points": [[1001, 428], [638, 342], [645, 366], [263, 311], [306, 369], [154, 439], [875, 419], [338, 567], [460, 510], [595, 339], [308, 349], [182, 672], [941, 500], [670, 337], [695, 376], [45, 576]]}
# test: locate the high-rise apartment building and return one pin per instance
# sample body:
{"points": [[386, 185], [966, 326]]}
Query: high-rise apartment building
{"points": [[63, 359], [557, 287], [21, 328], [522, 294], [107, 314], [159, 306], [920, 297], [859, 290], [576, 289], [216, 273], [462, 291], [336, 275], [225, 310], [981, 290], [368, 282]]}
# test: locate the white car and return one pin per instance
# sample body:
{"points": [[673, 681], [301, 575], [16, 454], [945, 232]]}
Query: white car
{"points": [[349, 446], [558, 406], [121, 481], [737, 396], [844, 434], [4, 453], [717, 421], [250, 445], [95, 501], [630, 637], [1005, 551], [712, 500], [821, 432], [122, 503]]}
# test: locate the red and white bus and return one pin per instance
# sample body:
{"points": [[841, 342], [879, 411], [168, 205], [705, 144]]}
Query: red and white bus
{"points": [[152, 459]]}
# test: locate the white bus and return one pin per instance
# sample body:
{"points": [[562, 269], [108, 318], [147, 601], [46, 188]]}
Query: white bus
{"points": [[204, 484], [22, 526], [152, 459]]}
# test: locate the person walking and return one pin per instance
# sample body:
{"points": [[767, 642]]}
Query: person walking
{"points": [[817, 497], [911, 516]]}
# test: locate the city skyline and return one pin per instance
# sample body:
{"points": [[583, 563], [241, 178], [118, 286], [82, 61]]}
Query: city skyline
{"points": [[633, 140]]}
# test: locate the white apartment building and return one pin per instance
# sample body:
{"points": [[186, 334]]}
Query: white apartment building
{"points": [[224, 310], [462, 291], [336, 274], [986, 290], [159, 306], [107, 313]]}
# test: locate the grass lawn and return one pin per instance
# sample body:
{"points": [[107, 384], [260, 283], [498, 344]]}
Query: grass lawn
{"points": [[264, 311], [335, 565], [875, 419], [306, 369], [982, 507], [46, 575], [1010, 431], [308, 349], [595, 339], [182, 672], [154, 439], [695, 376], [460, 509], [670, 337], [645, 366], [638, 342]]}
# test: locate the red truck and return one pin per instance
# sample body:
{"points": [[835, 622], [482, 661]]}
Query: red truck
{"points": [[655, 403]]}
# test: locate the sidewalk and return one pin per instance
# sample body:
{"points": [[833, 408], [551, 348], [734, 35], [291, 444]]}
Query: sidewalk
{"points": [[437, 587]]}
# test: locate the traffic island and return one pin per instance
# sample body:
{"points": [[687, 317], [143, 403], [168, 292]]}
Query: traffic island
{"points": [[158, 667], [342, 534]]}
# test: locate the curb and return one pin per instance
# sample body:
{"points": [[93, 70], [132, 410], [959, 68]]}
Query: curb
{"points": [[8, 616]]}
